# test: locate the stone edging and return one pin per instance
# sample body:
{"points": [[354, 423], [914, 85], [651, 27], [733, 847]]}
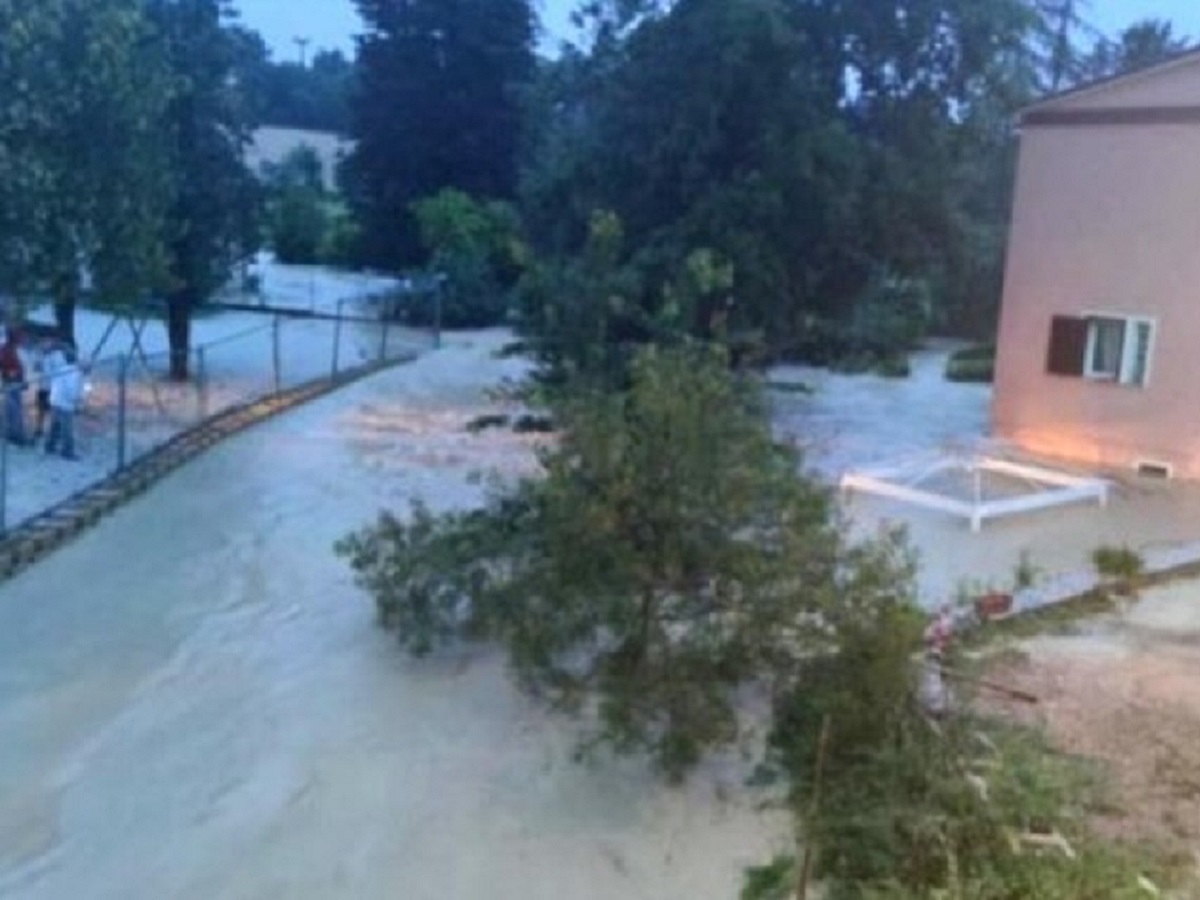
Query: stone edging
{"points": [[46, 532]]}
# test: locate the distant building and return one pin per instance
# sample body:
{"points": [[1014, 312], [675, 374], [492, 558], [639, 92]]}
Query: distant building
{"points": [[271, 145], [1098, 358]]}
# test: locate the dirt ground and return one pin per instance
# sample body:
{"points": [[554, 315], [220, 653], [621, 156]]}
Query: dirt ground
{"points": [[1123, 690]]}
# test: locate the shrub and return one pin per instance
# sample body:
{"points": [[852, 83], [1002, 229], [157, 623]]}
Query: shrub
{"points": [[1121, 564], [475, 244], [670, 555], [299, 224], [894, 366], [972, 364], [914, 809]]}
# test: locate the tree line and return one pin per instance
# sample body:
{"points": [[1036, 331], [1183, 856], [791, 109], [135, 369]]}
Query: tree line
{"points": [[849, 163], [826, 180]]}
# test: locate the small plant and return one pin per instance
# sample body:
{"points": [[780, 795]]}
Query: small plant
{"points": [[1025, 574], [774, 881], [1119, 565], [972, 364], [894, 366]]}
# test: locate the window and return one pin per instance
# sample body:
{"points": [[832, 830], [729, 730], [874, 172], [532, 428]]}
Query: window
{"points": [[1102, 347], [1105, 349]]}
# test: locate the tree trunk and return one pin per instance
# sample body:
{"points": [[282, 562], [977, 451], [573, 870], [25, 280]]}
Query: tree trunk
{"points": [[65, 299], [179, 334]]}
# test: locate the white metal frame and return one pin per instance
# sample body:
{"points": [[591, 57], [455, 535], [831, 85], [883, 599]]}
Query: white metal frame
{"points": [[1128, 347], [1048, 487]]}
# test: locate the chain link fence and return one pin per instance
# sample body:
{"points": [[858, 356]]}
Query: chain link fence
{"points": [[131, 405]]}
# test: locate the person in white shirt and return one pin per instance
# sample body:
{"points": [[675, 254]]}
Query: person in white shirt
{"points": [[66, 393]]}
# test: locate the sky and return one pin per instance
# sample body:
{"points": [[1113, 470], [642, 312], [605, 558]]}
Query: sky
{"points": [[332, 23]]}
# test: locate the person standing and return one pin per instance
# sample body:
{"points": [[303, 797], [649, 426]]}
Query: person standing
{"points": [[41, 408], [935, 694], [66, 393], [12, 382]]}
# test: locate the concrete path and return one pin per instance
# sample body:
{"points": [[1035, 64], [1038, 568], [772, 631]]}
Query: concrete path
{"points": [[195, 703]]}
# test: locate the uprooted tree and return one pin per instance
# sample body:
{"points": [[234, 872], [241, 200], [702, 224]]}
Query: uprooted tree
{"points": [[668, 555]]}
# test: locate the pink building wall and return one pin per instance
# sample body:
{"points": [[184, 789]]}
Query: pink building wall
{"points": [[1106, 219]]}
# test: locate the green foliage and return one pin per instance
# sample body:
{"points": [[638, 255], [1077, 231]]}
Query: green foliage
{"points": [[436, 105], [732, 125], [773, 881], [1142, 44], [299, 218], [477, 246], [1025, 573], [910, 809], [86, 180], [893, 315], [972, 364], [669, 555], [1118, 563], [215, 201], [585, 317], [894, 366], [299, 226], [314, 96]]}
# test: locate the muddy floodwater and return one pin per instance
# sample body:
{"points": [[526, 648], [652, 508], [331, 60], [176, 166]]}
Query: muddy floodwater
{"points": [[195, 701]]}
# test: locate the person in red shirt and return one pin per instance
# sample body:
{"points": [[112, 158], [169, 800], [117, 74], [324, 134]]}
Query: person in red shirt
{"points": [[935, 694], [12, 382]]}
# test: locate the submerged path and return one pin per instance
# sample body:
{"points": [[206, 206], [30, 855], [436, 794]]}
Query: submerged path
{"points": [[195, 703]]}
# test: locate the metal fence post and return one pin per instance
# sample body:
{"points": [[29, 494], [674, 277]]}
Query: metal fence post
{"points": [[383, 337], [275, 366], [437, 312], [337, 338], [201, 384], [4, 479], [122, 396]]}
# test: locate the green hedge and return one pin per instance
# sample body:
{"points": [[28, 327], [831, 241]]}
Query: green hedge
{"points": [[974, 364]]}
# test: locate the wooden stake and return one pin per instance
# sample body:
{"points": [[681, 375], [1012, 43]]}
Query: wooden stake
{"points": [[814, 806], [1012, 693]]}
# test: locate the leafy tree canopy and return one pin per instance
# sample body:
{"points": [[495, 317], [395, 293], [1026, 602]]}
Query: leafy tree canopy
{"points": [[437, 105]]}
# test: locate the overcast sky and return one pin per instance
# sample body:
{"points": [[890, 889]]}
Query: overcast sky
{"points": [[332, 23]]}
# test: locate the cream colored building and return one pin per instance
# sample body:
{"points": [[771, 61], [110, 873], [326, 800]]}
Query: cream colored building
{"points": [[271, 145], [1098, 356]]}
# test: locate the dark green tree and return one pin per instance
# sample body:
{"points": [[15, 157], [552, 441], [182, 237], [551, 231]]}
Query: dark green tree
{"points": [[212, 222], [670, 556], [1142, 44], [824, 149], [314, 96], [437, 105], [86, 181]]}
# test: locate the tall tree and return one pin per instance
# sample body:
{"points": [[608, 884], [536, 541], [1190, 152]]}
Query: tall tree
{"points": [[212, 223], [85, 187], [1140, 45], [437, 106], [288, 94], [834, 152]]}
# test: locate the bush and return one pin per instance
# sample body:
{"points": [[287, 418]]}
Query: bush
{"points": [[914, 809], [892, 316], [299, 223], [475, 244], [972, 364], [894, 366], [670, 555], [1120, 564]]}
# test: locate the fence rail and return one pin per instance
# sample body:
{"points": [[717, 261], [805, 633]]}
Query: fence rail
{"points": [[132, 408]]}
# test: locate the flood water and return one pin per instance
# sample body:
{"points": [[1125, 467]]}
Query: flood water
{"points": [[195, 701]]}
